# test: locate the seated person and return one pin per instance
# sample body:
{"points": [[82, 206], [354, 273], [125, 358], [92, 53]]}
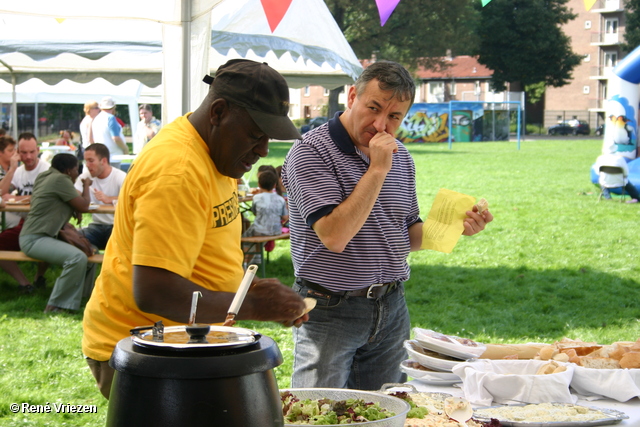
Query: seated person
{"points": [[269, 208], [53, 202], [19, 179], [618, 161], [106, 182], [261, 169]]}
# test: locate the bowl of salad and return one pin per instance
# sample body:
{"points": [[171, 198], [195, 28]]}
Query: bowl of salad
{"points": [[335, 406]]}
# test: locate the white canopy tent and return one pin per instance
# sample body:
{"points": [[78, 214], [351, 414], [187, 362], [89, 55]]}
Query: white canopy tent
{"points": [[35, 91], [173, 42]]}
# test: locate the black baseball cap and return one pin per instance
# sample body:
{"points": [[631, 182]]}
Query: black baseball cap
{"points": [[260, 90]]}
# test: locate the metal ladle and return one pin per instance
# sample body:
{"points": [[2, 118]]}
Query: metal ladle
{"points": [[458, 409]]}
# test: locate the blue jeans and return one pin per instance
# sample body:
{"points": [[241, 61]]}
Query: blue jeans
{"points": [[351, 342], [98, 234]]}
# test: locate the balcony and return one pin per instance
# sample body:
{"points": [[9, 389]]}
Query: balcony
{"points": [[603, 38], [604, 6], [601, 72]]}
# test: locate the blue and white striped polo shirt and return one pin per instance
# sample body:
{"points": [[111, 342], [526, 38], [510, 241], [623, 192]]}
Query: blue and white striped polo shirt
{"points": [[319, 172]]}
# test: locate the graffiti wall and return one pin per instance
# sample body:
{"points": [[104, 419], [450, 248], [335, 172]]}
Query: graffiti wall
{"points": [[430, 123]]}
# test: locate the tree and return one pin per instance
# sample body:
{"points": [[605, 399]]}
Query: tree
{"points": [[523, 43], [418, 32], [632, 27]]}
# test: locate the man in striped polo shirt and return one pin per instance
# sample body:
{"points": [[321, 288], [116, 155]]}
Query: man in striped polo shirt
{"points": [[354, 218]]}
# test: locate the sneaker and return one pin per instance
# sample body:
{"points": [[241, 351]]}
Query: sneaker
{"points": [[26, 289], [54, 309], [40, 282], [632, 201]]}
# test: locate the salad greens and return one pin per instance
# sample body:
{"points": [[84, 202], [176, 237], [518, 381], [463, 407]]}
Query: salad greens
{"points": [[415, 411], [327, 412]]}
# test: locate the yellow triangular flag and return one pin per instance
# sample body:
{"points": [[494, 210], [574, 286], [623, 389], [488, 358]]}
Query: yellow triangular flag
{"points": [[588, 4]]}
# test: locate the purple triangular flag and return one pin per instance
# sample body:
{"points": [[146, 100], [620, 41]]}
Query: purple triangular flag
{"points": [[385, 9]]}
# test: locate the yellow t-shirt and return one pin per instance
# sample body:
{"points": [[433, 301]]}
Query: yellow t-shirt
{"points": [[175, 211]]}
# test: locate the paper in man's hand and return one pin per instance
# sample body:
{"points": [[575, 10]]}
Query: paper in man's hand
{"points": [[444, 225]]}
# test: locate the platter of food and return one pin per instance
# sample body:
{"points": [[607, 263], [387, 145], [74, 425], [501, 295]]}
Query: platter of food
{"points": [[549, 415], [421, 373], [430, 359], [450, 345]]}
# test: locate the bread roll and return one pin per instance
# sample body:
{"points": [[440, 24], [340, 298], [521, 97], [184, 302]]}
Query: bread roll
{"points": [[559, 369], [547, 352], [630, 360], [561, 357]]}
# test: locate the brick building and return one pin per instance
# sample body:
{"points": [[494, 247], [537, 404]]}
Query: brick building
{"points": [[596, 34]]}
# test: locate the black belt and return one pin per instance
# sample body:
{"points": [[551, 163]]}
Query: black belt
{"points": [[374, 291]]}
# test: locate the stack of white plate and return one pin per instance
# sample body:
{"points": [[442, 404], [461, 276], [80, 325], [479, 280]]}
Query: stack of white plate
{"points": [[433, 356]]}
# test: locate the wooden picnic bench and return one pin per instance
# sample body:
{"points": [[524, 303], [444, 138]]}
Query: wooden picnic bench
{"points": [[258, 247], [21, 256]]}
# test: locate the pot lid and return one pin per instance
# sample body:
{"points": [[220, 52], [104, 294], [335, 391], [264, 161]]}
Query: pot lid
{"points": [[192, 336]]}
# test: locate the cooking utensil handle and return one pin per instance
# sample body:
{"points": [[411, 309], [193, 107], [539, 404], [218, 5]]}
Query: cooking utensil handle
{"points": [[242, 290]]}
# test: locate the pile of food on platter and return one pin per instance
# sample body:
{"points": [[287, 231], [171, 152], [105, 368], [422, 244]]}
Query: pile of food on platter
{"points": [[552, 413], [326, 411], [427, 410]]}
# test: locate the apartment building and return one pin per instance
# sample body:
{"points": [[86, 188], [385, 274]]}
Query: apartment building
{"points": [[596, 34]]}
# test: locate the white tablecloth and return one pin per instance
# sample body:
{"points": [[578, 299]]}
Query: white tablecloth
{"points": [[631, 407]]}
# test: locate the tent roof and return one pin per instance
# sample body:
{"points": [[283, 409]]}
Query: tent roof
{"points": [[73, 41]]}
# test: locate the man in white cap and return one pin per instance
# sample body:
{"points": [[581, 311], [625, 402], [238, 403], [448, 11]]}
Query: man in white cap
{"points": [[106, 129]]}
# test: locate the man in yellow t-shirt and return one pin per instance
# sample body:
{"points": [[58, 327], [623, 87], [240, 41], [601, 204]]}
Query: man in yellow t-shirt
{"points": [[177, 226]]}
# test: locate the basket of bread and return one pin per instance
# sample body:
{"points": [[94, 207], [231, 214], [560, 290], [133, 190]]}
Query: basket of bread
{"points": [[601, 370]]}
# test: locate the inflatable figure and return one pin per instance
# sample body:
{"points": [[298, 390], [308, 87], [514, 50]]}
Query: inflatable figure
{"points": [[621, 111]]}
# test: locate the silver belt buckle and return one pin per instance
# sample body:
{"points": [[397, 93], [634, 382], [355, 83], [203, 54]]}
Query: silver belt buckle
{"points": [[371, 288]]}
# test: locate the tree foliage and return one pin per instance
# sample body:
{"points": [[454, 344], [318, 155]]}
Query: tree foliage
{"points": [[417, 33], [632, 26], [522, 41]]}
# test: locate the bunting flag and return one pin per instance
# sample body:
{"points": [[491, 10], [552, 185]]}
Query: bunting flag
{"points": [[588, 4], [486, 2], [385, 9], [275, 11]]}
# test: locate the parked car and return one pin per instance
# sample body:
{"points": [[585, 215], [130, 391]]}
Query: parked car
{"points": [[574, 127], [599, 130], [313, 123]]}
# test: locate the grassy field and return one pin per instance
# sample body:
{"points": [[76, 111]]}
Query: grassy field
{"points": [[554, 263]]}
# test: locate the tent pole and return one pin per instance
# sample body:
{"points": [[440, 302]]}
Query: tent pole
{"points": [[14, 103], [186, 55]]}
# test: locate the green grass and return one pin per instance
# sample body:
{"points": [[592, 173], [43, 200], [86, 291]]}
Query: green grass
{"points": [[554, 263]]}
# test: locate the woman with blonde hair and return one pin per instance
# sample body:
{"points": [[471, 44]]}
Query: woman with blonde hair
{"points": [[91, 110]]}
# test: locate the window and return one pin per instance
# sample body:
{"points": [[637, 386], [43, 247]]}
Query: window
{"points": [[477, 90], [586, 89], [587, 58], [452, 88], [325, 92], [611, 30], [610, 59], [587, 25], [436, 92], [307, 91]]}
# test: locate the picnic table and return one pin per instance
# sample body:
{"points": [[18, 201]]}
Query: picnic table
{"points": [[26, 207]]}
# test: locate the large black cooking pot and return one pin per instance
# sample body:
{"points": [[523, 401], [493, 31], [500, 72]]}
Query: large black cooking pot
{"points": [[165, 382]]}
